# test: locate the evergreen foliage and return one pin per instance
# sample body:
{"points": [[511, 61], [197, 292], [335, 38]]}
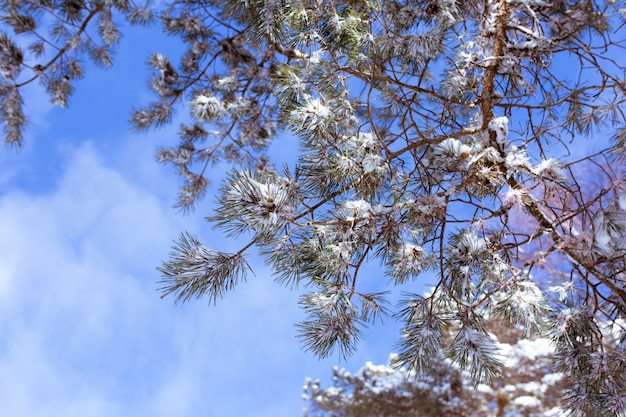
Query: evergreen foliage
{"points": [[424, 127], [529, 387]]}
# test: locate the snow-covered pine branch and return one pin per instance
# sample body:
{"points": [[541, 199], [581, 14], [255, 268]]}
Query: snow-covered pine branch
{"points": [[437, 139]]}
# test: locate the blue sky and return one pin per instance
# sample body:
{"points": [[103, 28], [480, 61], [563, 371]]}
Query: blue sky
{"points": [[86, 216]]}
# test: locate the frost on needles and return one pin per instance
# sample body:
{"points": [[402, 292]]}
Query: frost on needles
{"points": [[436, 138]]}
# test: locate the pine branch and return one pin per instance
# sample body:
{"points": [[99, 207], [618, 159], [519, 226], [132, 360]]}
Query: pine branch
{"points": [[195, 271]]}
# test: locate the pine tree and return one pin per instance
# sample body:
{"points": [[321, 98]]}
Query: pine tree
{"points": [[422, 126], [388, 391], [529, 387]]}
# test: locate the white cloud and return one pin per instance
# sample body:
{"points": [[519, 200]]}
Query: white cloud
{"points": [[84, 331], [72, 299], [82, 323]]}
